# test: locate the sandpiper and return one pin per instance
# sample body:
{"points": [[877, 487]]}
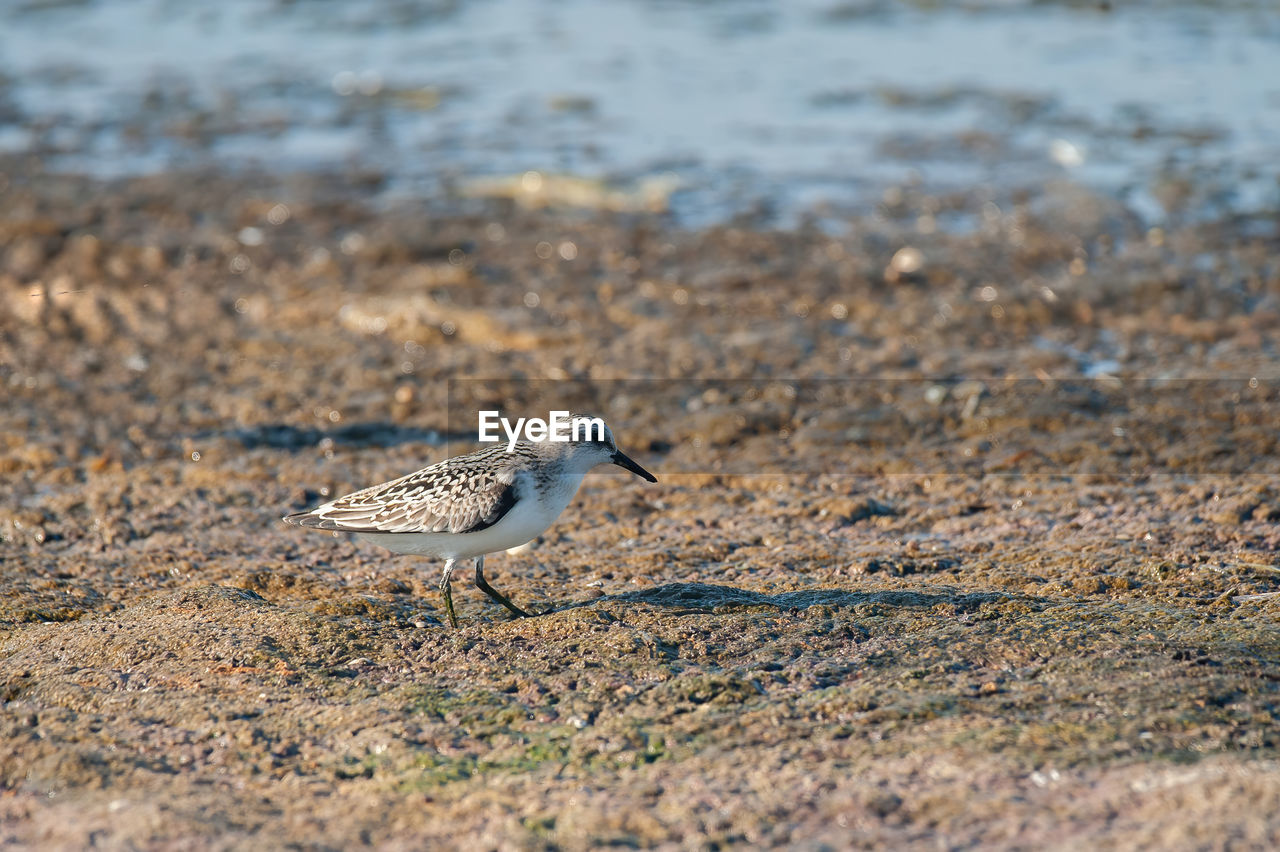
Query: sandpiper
{"points": [[472, 505]]}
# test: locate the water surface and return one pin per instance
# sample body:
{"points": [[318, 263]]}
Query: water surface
{"points": [[751, 105]]}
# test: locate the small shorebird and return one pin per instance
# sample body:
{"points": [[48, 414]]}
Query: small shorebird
{"points": [[472, 505]]}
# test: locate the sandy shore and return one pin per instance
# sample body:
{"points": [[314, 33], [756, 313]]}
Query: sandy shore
{"points": [[959, 606]]}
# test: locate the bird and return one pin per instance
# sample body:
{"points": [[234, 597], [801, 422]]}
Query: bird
{"points": [[471, 505]]}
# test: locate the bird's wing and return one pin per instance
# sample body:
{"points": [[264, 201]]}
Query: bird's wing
{"points": [[460, 495]]}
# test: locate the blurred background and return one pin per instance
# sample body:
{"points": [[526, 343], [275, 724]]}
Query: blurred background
{"points": [[713, 109]]}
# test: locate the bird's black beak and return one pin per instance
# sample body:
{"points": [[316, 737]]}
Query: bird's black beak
{"points": [[622, 460]]}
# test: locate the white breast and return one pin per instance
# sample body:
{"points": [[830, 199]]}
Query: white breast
{"points": [[534, 511]]}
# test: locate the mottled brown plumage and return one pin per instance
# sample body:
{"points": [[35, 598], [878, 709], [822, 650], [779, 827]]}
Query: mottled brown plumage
{"points": [[471, 505]]}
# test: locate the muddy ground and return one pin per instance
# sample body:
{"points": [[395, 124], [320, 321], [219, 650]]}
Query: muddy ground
{"points": [[876, 598]]}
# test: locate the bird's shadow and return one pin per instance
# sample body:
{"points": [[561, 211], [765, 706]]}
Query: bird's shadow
{"points": [[694, 598]]}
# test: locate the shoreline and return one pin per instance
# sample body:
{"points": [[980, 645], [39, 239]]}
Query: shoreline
{"points": [[1058, 651]]}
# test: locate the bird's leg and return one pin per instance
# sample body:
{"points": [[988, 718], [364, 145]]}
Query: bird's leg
{"points": [[494, 593], [447, 591]]}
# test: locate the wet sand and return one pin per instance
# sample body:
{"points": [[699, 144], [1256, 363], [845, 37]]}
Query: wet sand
{"points": [[932, 620]]}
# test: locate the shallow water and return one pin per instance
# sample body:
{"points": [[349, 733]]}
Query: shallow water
{"points": [[1174, 108]]}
